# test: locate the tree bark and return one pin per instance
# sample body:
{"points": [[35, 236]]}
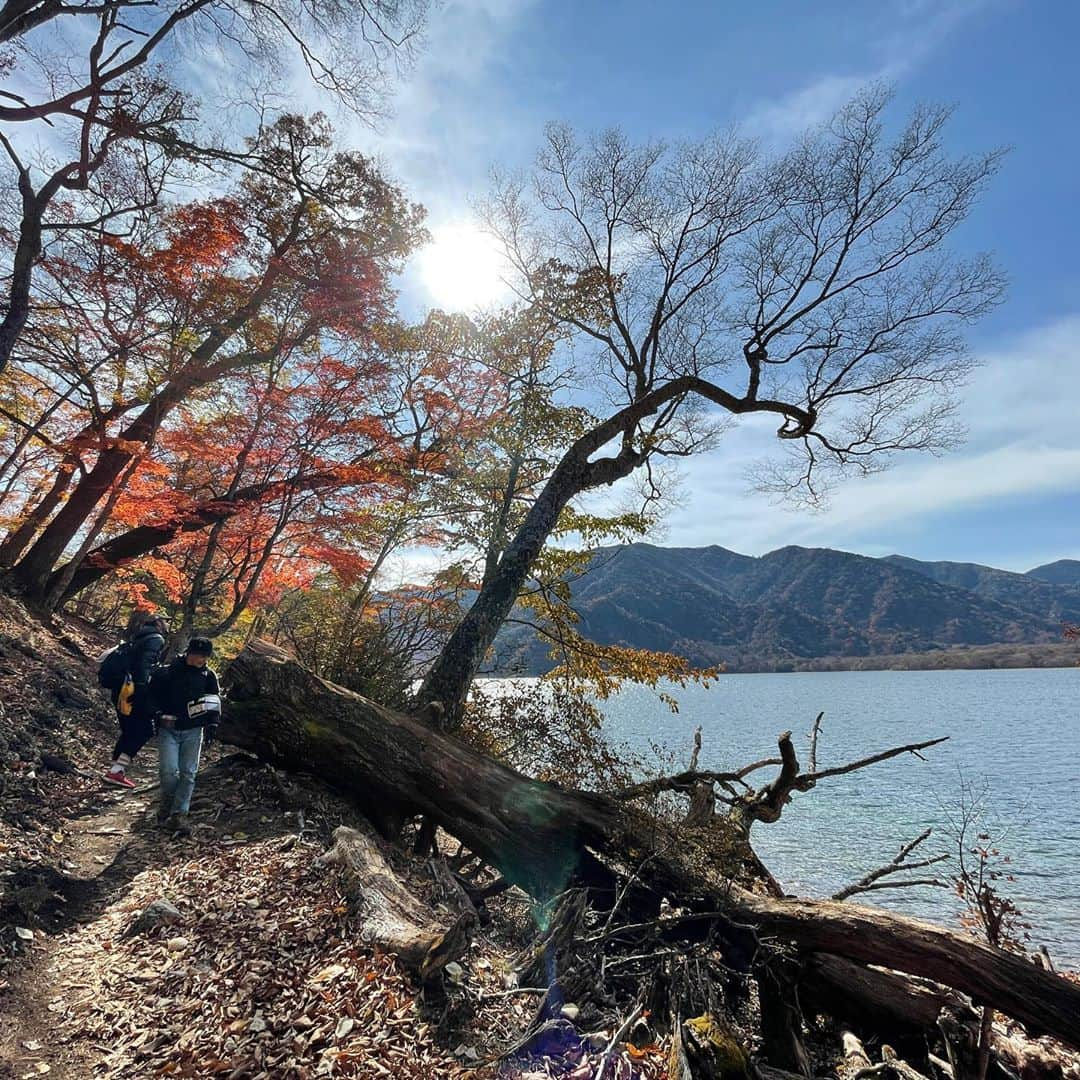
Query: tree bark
{"points": [[56, 589], [393, 918], [543, 837], [31, 573], [453, 672], [705, 1049], [876, 1001], [18, 540], [781, 1016], [27, 253]]}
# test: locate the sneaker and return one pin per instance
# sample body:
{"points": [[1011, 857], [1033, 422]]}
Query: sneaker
{"points": [[118, 777], [180, 825], [162, 818]]}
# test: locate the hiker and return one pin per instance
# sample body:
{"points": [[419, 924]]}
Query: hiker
{"points": [[186, 697], [143, 644]]}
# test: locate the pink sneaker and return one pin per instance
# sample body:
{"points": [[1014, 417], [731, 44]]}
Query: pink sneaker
{"points": [[117, 776]]}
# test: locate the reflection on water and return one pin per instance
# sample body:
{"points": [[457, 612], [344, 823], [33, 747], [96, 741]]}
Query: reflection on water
{"points": [[1014, 730]]}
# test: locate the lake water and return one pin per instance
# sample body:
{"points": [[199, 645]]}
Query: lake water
{"points": [[1014, 731]]}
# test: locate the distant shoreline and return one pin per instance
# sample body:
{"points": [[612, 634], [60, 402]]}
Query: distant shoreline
{"points": [[958, 658]]}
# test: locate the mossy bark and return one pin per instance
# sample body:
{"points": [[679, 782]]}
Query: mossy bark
{"points": [[704, 1048]]}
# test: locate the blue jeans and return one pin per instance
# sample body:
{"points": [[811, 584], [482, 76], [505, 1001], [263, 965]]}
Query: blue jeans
{"points": [[178, 762]]}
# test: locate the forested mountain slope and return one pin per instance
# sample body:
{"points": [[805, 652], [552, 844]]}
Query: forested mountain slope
{"points": [[794, 604]]}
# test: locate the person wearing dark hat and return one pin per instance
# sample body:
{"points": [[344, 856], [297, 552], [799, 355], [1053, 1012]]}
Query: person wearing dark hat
{"points": [[188, 702]]}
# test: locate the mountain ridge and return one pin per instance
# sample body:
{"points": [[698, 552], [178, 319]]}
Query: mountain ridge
{"points": [[796, 605]]}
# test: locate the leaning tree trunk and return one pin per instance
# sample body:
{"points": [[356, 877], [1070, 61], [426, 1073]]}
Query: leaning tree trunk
{"points": [[541, 836], [453, 672], [31, 574]]}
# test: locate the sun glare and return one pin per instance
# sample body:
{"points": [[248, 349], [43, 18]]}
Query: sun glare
{"points": [[462, 269]]}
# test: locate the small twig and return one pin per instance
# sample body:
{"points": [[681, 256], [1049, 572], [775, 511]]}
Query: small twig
{"points": [[884, 755], [942, 1066], [489, 994], [697, 750], [622, 894], [904, 883], [898, 863], [620, 960], [814, 741], [627, 1024], [664, 922], [684, 781]]}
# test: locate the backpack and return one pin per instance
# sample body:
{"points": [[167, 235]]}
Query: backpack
{"points": [[114, 667]]}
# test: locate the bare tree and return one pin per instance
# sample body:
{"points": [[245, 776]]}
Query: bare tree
{"points": [[715, 282], [374, 33], [93, 187], [108, 96]]}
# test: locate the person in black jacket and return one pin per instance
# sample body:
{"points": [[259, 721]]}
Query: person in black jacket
{"points": [[144, 646], [188, 702]]}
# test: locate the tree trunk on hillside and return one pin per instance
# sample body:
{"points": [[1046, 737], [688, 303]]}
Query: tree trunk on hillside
{"points": [[18, 540], [133, 544], [31, 574], [452, 674], [393, 918], [542, 837], [27, 253]]}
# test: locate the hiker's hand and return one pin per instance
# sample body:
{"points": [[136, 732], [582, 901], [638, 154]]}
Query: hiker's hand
{"points": [[209, 734]]}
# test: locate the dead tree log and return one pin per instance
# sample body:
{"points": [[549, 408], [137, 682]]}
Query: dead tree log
{"points": [[872, 999], [393, 918], [542, 837]]}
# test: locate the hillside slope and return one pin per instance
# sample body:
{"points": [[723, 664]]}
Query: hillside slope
{"points": [[1042, 596], [1062, 572], [797, 604]]}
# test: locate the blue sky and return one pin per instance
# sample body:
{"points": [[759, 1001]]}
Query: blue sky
{"points": [[494, 71]]}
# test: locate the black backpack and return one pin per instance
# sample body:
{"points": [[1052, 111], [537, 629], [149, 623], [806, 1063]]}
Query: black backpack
{"points": [[114, 668]]}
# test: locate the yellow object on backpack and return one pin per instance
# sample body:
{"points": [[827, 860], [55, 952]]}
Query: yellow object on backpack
{"points": [[125, 700]]}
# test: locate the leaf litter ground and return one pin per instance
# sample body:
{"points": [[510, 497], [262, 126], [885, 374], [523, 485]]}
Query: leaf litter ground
{"points": [[266, 974]]}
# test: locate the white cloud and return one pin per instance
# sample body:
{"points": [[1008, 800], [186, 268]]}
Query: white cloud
{"points": [[448, 126], [809, 106], [907, 32], [1020, 407], [413, 564]]}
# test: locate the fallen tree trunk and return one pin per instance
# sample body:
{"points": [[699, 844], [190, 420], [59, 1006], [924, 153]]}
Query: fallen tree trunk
{"points": [[542, 837], [872, 999], [393, 918]]}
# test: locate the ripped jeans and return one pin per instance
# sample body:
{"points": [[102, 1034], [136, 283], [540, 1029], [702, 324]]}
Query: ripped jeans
{"points": [[178, 762]]}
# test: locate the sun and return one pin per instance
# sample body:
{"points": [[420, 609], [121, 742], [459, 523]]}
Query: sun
{"points": [[463, 269]]}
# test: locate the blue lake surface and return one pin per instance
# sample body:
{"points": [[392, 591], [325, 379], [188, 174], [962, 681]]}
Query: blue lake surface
{"points": [[1016, 732]]}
